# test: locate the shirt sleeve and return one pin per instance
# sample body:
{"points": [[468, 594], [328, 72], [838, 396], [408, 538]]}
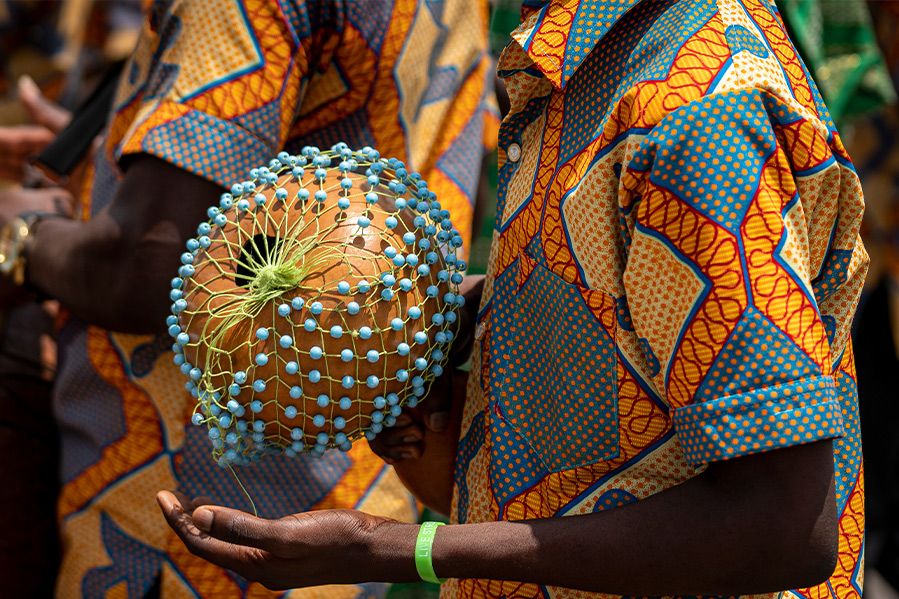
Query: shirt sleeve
{"points": [[213, 91], [728, 263]]}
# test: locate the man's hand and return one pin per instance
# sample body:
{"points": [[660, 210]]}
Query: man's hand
{"points": [[19, 143], [307, 549], [49, 200]]}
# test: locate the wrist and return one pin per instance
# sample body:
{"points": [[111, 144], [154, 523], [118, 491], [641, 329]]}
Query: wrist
{"points": [[488, 550], [389, 552]]}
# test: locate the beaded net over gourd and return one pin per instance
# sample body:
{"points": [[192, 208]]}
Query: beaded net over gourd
{"points": [[317, 300]]}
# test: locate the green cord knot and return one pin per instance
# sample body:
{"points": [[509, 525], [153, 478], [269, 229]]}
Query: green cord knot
{"points": [[273, 280]]}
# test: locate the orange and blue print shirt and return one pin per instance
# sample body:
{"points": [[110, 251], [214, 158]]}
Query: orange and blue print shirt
{"points": [[674, 269], [218, 88]]}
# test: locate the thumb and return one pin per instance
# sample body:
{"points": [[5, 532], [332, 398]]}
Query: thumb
{"points": [[41, 110]]}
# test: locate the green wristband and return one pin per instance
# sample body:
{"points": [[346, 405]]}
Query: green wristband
{"points": [[423, 543]]}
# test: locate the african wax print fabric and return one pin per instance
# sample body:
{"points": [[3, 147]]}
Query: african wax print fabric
{"points": [[218, 92], [674, 269]]}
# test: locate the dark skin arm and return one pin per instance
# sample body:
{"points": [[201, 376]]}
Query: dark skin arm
{"points": [[754, 524], [129, 250]]}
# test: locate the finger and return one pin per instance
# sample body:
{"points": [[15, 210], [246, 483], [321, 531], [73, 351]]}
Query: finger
{"points": [[403, 436], [241, 528], [242, 560], [39, 108], [397, 453], [436, 407]]}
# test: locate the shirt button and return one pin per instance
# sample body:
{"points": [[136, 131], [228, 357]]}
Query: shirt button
{"points": [[514, 152]]}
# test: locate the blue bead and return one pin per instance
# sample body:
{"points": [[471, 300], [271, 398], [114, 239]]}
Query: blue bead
{"points": [[372, 381], [437, 355], [259, 199], [197, 418], [456, 278], [399, 260], [177, 283], [406, 284], [336, 331], [316, 308], [411, 402], [396, 411], [386, 294], [402, 375], [256, 406], [321, 438], [377, 417], [372, 356], [346, 355], [373, 180], [297, 303], [400, 203], [192, 244], [243, 205], [451, 317], [412, 260], [262, 334], [440, 337], [420, 337], [233, 406], [196, 373], [175, 294], [285, 341], [345, 403], [284, 310], [431, 257], [315, 352], [379, 402], [403, 348], [393, 399], [388, 279], [430, 230], [183, 338], [449, 298], [449, 334], [414, 312], [437, 369], [179, 306], [258, 426], [442, 276], [409, 238], [417, 381], [460, 300], [290, 412], [240, 377], [281, 194], [212, 211], [315, 376], [310, 325], [363, 221], [296, 434], [432, 291], [258, 385], [364, 286], [371, 197], [319, 421], [390, 420], [296, 392], [186, 367], [320, 173], [419, 222], [204, 229], [346, 183], [352, 308], [321, 195], [221, 220], [347, 382], [261, 359], [364, 333], [291, 367], [376, 428], [340, 423], [322, 400], [343, 203], [421, 363], [303, 194], [178, 359], [343, 287], [233, 389], [204, 241], [437, 318], [424, 243], [214, 433], [396, 324]]}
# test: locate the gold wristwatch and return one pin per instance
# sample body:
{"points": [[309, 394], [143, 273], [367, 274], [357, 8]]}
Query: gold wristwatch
{"points": [[13, 237]]}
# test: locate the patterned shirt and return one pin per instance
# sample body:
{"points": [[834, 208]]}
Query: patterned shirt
{"points": [[217, 89], [674, 269]]}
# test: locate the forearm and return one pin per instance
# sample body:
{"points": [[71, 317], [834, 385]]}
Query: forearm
{"points": [[114, 270], [709, 536]]}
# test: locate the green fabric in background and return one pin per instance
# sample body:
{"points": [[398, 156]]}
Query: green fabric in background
{"points": [[837, 42]]}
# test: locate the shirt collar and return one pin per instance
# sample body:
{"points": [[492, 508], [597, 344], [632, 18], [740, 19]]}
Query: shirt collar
{"points": [[558, 36]]}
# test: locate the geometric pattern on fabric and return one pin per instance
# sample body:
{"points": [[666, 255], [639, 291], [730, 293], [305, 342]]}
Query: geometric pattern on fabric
{"points": [[670, 166], [217, 93], [134, 565], [564, 402]]}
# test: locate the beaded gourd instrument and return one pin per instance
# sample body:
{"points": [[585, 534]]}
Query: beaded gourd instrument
{"points": [[317, 300]]}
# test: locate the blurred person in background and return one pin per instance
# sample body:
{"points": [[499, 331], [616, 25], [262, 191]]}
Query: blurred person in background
{"points": [[197, 108]]}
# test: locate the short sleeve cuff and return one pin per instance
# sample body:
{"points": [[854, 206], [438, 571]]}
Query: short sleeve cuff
{"points": [[759, 420], [215, 149]]}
